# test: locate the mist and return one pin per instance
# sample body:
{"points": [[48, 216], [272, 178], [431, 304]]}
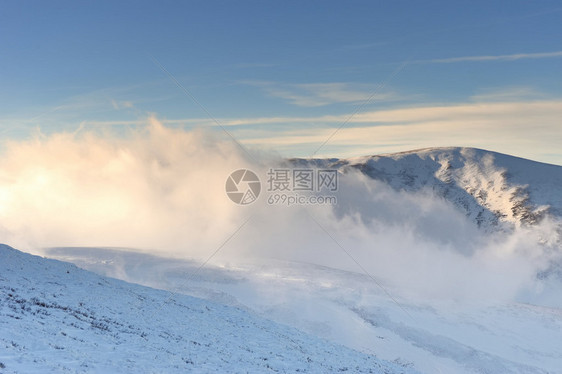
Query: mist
{"points": [[161, 190]]}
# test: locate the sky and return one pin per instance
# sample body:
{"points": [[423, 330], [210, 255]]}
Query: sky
{"points": [[315, 78]]}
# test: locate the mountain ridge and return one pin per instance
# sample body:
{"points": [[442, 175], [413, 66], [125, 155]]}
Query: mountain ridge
{"points": [[494, 190]]}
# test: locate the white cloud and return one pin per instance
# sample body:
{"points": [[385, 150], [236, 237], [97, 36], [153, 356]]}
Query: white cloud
{"points": [[512, 57], [162, 190], [527, 129], [515, 93], [117, 105], [321, 94], [89, 187]]}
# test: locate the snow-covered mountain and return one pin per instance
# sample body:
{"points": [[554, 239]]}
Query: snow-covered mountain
{"points": [[55, 317], [490, 188]]}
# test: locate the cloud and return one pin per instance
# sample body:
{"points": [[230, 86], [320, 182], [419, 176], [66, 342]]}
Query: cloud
{"points": [[123, 103], [322, 94], [497, 120], [508, 94], [161, 190], [139, 189], [117, 105], [512, 57], [528, 129]]}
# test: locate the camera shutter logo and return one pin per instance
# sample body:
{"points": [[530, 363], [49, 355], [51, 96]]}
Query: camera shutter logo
{"points": [[243, 186]]}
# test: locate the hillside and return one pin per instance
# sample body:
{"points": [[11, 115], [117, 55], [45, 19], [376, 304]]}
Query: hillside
{"points": [[55, 317], [490, 188]]}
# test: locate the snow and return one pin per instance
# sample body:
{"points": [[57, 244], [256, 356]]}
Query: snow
{"points": [[489, 187], [55, 317], [346, 308]]}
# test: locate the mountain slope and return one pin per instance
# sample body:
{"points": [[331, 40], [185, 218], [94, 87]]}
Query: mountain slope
{"points": [[490, 188], [434, 336], [55, 317]]}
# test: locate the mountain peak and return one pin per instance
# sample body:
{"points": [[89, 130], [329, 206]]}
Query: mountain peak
{"points": [[491, 188]]}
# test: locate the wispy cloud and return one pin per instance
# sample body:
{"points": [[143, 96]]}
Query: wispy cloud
{"points": [[512, 57], [117, 105], [321, 94], [469, 111], [505, 94], [528, 129]]}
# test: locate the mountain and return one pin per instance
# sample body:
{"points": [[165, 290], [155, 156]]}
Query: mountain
{"points": [[490, 188], [55, 317]]}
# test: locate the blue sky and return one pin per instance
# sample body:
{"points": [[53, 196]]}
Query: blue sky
{"points": [[285, 75]]}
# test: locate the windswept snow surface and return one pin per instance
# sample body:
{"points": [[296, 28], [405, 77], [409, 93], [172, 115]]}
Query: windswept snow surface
{"points": [[55, 317], [348, 308]]}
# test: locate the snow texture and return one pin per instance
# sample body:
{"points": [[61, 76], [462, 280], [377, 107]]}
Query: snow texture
{"points": [[55, 317]]}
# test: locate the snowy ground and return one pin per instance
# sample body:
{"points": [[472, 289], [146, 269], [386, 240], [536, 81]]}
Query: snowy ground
{"points": [[55, 317], [348, 308]]}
